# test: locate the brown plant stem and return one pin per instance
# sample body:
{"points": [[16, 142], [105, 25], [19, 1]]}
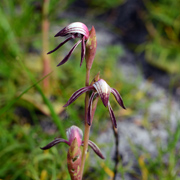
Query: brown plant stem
{"points": [[117, 155], [45, 45], [87, 127]]}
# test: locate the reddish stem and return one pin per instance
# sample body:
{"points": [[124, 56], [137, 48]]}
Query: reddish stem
{"points": [[87, 127]]}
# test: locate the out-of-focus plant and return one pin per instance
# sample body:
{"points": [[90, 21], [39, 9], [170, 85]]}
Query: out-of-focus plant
{"points": [[164, 165], [100, 6], [162, 21]]}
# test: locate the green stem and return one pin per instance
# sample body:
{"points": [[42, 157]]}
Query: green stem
{"points": [[87, 127]]}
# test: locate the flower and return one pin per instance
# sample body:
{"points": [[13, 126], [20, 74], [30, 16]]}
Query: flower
{"points": [[75, 30], [102, 89], [75, 133]]}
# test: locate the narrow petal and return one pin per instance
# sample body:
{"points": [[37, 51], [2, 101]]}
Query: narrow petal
{"points": [[112, 115], [69, 54], [53, 143], [103, 90], [95, 148], [82, 50], [61, 44], [118, 97], [77, 94], [90, 108], [76, 27]]}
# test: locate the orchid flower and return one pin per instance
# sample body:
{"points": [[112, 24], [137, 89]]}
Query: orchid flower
{"points": [[75, 30], [102, 89], [72, 133]]}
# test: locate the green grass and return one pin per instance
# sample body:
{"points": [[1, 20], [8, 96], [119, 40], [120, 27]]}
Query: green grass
{"points": [[165, 164], [162, 22]]}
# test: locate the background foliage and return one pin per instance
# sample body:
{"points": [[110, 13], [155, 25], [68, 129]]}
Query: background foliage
{"points": [[32, 117]]}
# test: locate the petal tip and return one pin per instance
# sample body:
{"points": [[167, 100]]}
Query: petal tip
{"points": [[49, 52], [60, 33], [58, 65]]}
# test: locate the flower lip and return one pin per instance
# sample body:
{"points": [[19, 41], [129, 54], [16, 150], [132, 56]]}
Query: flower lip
{"points": [[76, 27], [103, 90]]}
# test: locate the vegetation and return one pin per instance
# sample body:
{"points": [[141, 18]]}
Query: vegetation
{"points": [[163, 25], [31, 116]]}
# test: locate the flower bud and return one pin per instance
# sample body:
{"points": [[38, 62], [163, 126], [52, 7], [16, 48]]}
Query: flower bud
{"points": [[91, 45], [96, 78]]}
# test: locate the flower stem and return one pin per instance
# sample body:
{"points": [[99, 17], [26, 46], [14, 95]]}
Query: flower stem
{"points": [[87, 127]]}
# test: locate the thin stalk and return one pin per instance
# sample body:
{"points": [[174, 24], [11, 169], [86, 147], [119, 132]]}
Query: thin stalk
{"points": [[45, 45], [87, 78], [87, 127], [117, 155]]}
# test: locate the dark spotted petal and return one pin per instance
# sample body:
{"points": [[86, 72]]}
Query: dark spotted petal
{"points": [[118, 97], [95, 149], [77, 94], [69, 54], [90, 108], [53, 143], [112, 115], [61, 44], [82, 50]]}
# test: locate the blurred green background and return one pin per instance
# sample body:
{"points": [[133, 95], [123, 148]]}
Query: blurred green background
{"points": [[31, 112]]}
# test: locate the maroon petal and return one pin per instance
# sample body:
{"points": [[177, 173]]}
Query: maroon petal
{"points": [[77, 94], [95, 148], [61, 44], [69, 54], [112, 115], [53, 143], [82, 50], [118, 97], [90, 107]]}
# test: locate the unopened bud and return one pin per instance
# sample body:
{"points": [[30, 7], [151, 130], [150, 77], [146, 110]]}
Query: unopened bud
{"points": [[91, 46], [96, 78]]}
